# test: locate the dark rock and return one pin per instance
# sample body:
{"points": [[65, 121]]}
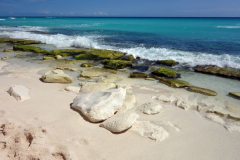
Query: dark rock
{"points": [[141, 68], [128, 58]]}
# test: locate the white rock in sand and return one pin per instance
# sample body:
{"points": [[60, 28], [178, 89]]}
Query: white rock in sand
{"points": [[215, 118], [120, 122], [100, 105], [19, 92], [150, 130], [56, 76], [129, 101], [167, 99], [233, 127], [182, 104], [150, 108], [93, 87], [73, 89]]}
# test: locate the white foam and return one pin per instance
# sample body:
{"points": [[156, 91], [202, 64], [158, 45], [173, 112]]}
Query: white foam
{"points": [[24, 28], [12, 17], [228, 26], [2, 19]]}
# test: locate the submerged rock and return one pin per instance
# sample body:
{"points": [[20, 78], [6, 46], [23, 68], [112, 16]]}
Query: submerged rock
{"points": [[116, 64], [235, 94], [29, 49], [88, 65], [56, 76], [224, 72], [100, 105], [141, 68], [169, 63], [150, 108], [166, 72], [174, 83], [138, 75], [202, 91], [19, 92], [8, 50], [120, 122]]}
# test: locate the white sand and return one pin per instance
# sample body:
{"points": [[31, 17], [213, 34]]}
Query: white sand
{"points": [[66, 134]]}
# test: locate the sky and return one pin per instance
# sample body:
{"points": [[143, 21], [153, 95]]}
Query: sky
{"points": [[121, 8]]}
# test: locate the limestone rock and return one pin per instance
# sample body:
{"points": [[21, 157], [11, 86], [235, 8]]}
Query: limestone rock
{"points": [[223, 112], [96, 72], [120, 122], [19, 92], [215, 118], [47, 58], [183, 104], [233, 126], [129, 101], [235, 94], [93, 87], [87, 65], [73, 89], [8, 50], [167, 99], [100, 105], [58, 57], [174, 83], [150, 108], [3, 58], [138, 75], [66, 68], [150, 130], [56, 76], [202, 91], [166, 72]]}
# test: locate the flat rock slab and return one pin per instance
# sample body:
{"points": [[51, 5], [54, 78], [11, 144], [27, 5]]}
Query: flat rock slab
{"points": [[19, 92], [200, 90], [56, 76], [138, 75], [175, 83], [120, 122], [215, 118], [150, 108], [235, 94], [100, 105]]}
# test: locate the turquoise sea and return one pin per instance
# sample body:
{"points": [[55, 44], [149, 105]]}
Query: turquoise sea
{"points": [[191, 41]]}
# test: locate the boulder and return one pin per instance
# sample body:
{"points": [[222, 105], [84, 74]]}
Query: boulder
{"points": [[116, 64], [56, 76], [101, 105], [169, 63], [138, 75], [93, 87], [120, 122], [19, 92], [150, 130], [88, 65], [166, 72], [202, 91], [96, 72], [224, 72], [235, 94], [74, 89], [174, 83], [8, 50], [29, 49], [58, 57], [215, 118], [150, 108], [141, 68]]}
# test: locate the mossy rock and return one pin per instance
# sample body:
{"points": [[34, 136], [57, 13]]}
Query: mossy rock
{"points": [[175, 83], [202, 91], [29, 49], [86, 56], [215, 70], [88, 65], [128, 58], [18, 55], [138, 75], [8, 50], [66, 52], [235, 94], [18, 41], [169, 63], [47, 58], [166, 72], [116, 64]]}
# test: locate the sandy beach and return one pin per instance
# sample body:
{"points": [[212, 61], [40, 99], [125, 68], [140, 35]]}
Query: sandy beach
{"points": [[47, 127]]}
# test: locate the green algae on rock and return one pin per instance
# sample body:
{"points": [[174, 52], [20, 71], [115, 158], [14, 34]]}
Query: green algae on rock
{"points": [[166, 72], [224, 72], [128, 58], [138, 75], [235, 94], [116, 64], [96, 72], [29, 49], [88, 65], [169, 63], [174, 83], [202, 91], [18, 41], [8, 50]]}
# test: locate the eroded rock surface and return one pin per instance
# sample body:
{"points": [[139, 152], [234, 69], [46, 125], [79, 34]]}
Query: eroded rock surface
{"points": [[93, 87], [56, 76], [19, 92], [150, 108]]}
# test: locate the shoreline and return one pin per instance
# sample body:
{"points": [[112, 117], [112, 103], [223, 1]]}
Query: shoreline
{"points": [[191, 134]]}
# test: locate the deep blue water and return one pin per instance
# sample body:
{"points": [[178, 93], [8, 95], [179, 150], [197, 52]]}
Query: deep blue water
{"points": [[188, 40]]}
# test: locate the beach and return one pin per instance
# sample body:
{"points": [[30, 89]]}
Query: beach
{"points": [[186, 125]]}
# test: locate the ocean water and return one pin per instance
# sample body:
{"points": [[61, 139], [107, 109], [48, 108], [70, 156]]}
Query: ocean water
{"points": [[190, 41]]}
